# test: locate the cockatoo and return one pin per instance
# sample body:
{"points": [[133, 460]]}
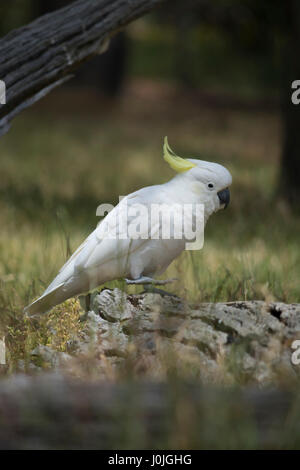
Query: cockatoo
{"points": [[102, 258]]}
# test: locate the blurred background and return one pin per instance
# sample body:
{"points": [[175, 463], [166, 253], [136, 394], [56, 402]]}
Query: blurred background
{"points": [[215, 77]]}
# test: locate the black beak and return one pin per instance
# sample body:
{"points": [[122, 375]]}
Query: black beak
{"points": [[224, 197]]}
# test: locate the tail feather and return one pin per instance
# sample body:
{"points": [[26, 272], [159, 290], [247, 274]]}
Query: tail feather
{"points": [[47, 300]]}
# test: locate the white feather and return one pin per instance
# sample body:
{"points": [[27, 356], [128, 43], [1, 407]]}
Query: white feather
{"points": [[100, 259]]}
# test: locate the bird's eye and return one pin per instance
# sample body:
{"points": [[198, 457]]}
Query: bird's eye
{"points": [[210, 185]]}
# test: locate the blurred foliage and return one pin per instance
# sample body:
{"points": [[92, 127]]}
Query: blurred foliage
{"points": [[14, 14], [224, 40], [229, 45], [210, 64]]}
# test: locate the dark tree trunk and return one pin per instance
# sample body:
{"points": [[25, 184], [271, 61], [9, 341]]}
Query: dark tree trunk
{"points": [[105, 72], [290, 159], [40, 56]]}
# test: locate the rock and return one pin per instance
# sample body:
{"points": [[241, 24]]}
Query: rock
{"points": [[152, 335], [46, 357]]}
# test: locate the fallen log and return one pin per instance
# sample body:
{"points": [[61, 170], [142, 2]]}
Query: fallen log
{"points": [[50, 411]]}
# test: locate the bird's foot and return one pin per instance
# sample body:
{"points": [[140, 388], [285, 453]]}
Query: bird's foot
{"points": [[149, 284], [150, 289], [145, 280]]}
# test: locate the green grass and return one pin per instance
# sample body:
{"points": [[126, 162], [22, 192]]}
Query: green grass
{"points": [[58, 165]]}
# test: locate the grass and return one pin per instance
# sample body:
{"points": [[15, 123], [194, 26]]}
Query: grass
{"points": [[68, 155]]}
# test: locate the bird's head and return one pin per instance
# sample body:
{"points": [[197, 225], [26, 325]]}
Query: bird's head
{"points": [[207, 180]]}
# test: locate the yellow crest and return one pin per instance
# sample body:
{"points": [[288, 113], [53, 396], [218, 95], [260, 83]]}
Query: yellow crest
{"points": [[177, 163]]}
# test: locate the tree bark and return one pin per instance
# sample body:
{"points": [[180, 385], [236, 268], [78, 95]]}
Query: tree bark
{"points": [[38, 57]]}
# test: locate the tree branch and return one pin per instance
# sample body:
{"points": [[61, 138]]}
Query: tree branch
{"points": [[40, 56]]}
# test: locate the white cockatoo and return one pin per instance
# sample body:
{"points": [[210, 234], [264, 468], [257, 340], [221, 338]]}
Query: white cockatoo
{"points": [[110, 253]]}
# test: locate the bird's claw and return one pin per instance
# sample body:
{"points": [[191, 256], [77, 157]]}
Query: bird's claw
{"points": [[146, 281]]}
